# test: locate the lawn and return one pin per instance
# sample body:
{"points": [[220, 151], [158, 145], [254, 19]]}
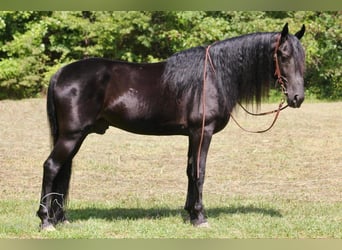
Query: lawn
{"points": [[286, 183]]}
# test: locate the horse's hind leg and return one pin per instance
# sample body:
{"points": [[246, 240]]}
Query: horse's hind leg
{"points": [[56, 178], [61, 187]]}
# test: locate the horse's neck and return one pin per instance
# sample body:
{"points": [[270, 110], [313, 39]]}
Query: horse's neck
{"points": [[246, 65]]}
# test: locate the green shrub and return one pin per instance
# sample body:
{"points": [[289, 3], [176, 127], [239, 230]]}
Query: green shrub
{"points": [[35, 44]]}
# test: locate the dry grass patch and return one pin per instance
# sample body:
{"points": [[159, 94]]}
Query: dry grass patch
{"points": [[296, 166]]}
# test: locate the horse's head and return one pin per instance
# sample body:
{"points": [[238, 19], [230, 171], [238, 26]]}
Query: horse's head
{"points": [[290, 64]]}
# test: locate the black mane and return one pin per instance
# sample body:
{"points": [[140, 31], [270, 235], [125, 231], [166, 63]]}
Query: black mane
{"points": [[184, 70], [244, 67]]}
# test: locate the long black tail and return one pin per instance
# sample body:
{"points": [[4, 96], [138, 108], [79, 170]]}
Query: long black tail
{"points": [[51, 109]]}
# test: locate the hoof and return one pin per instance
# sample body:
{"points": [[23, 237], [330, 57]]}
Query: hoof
{"points": [[200, 223], [48, 228], [66, 222], [203, 225]]}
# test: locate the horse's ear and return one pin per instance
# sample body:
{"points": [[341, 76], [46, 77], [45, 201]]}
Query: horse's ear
{"points": [[284, 32], [300, 33]]}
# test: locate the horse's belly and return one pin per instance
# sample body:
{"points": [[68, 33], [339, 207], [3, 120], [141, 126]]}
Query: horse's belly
{"points": [[139, 117], [146, 126]]}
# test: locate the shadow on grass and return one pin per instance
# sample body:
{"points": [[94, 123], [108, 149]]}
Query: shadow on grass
{"points": [[163, 212]]}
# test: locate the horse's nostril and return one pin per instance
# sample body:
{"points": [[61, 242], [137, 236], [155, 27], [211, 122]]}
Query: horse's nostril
{"points": [[297, 101], [294, 103]]}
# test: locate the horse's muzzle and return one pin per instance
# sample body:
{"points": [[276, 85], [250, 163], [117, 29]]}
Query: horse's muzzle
{"points": [[296, 102]]}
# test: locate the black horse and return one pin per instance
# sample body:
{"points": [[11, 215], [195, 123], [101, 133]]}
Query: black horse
{"points": [[192, 93]]}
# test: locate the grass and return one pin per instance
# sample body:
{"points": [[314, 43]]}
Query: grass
{"points": [[282, 184], [235, 218]]}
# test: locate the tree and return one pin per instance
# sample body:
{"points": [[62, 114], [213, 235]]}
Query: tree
{"points": [[35, 44]]}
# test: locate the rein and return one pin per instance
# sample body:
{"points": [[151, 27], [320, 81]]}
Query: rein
{"points": [[281, 80], [207, 56]]}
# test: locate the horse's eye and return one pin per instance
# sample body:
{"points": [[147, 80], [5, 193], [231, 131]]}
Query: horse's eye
{"points": [[282, 55]]}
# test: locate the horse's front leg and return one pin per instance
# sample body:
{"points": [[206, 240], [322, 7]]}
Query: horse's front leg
{"points": [[194, 202]]}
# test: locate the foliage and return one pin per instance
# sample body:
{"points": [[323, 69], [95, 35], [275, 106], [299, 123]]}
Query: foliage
{"points": [[33, 45], [324, 47]]}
